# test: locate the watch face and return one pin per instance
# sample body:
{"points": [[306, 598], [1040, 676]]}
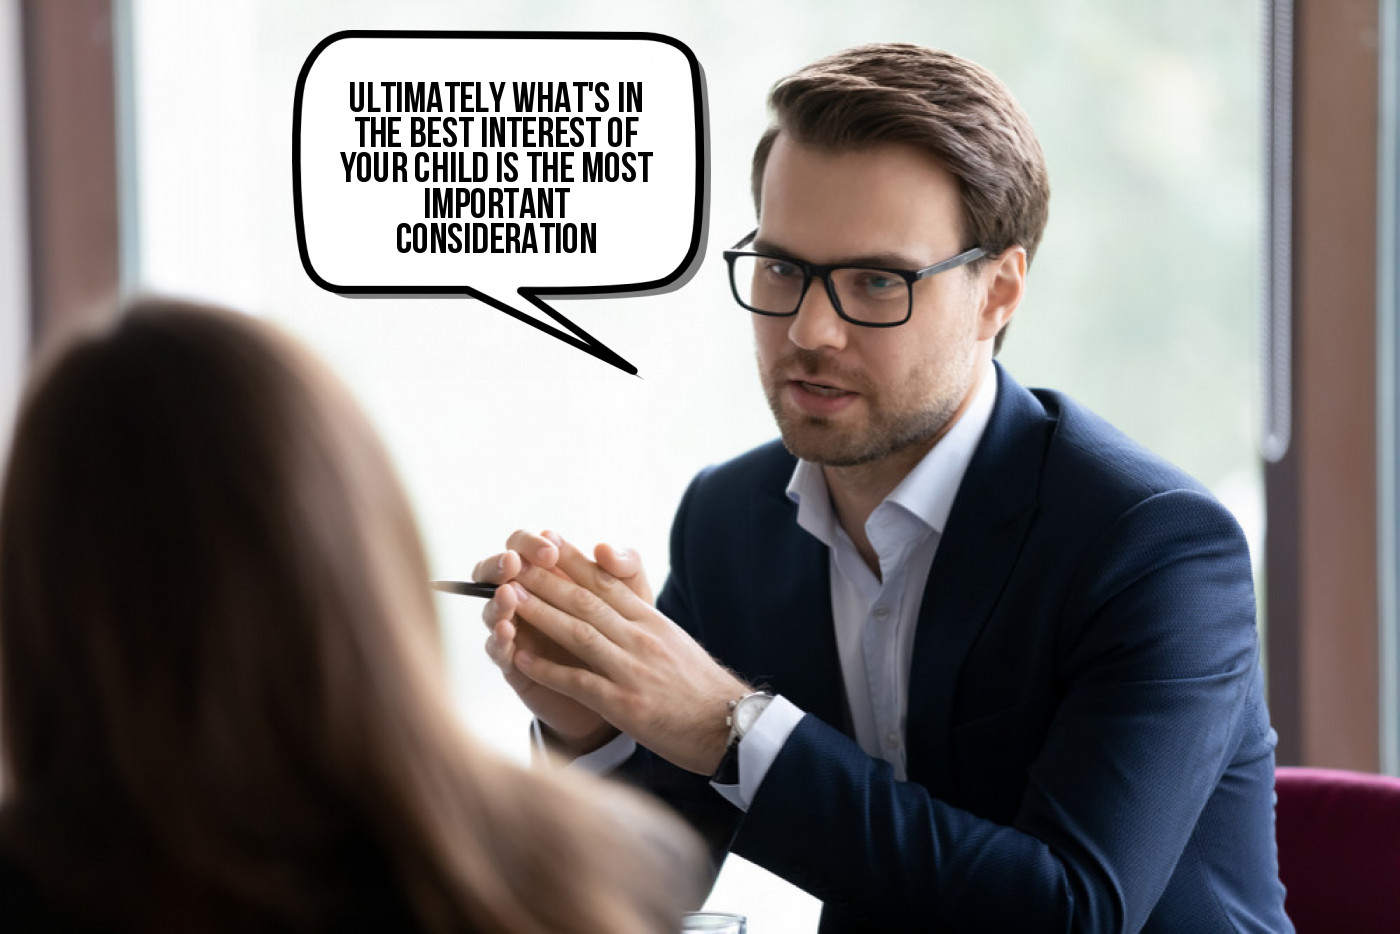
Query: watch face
{"points": [[748, 711]]}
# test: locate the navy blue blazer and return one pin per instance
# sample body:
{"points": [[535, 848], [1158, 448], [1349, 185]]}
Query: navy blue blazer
{"points": [[1088, 746]]}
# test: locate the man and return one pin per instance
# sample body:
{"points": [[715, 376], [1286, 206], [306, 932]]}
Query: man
{"points": [[1008, 661]]}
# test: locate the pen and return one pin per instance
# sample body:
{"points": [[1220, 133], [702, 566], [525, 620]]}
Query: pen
{"points": [[466, 588]]}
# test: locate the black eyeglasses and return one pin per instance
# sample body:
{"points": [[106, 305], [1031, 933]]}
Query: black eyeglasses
{"points": [[871, 296]]}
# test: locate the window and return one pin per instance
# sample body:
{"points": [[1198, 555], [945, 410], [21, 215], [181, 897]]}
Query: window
{"points": [[1142, 302], [14, 330], [1388, 395]]}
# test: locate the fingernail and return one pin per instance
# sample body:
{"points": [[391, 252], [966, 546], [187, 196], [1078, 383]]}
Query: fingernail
{"points": [[621, 554], [521, 593], [554, 537], [501, 565]]}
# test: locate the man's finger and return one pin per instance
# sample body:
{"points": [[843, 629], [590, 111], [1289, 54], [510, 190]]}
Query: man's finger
{"points": [[575, 618], [589, 575], [500, 645], [587, 687], [626, 565], [534, 549], [498, 568], [499, 607]]}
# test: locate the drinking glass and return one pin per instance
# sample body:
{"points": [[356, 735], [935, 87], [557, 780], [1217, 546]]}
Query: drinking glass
{"points": [[714, 922]]}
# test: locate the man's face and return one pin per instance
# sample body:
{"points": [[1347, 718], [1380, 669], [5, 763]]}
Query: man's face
{"points": [[844, 394]]}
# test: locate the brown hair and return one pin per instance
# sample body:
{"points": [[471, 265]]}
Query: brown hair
{"points": [[220, 668], [954, 109]]}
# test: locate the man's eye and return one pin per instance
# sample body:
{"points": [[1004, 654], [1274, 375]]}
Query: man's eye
{"points": [[778, 269], [874, 282]]}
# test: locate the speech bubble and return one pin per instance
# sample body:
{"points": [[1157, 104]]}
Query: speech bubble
{"points": [[498, 164]]}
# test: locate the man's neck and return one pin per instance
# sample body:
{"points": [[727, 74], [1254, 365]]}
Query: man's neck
{"points": [[857, 490]]}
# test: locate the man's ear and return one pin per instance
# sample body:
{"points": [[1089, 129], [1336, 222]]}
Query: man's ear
{"points": [[1004, 284]]}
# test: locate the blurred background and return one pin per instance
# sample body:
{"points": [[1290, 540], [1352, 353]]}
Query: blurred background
{"points": [[1217, 279]]}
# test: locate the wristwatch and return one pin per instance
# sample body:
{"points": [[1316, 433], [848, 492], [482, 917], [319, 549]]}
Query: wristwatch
{"points": [[743, 714]]}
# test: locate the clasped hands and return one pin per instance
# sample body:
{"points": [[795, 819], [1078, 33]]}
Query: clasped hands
{"points": [[582, 645]]}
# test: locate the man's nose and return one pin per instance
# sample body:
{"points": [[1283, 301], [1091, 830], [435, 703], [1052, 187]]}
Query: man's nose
{"points": [[816, 324]]}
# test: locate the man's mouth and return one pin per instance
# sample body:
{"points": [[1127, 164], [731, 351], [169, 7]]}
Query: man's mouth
{"points": [[821, 389], [820, 399]]}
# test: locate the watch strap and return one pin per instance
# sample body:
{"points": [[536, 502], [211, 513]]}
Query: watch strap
{"points": [[727, 772]]}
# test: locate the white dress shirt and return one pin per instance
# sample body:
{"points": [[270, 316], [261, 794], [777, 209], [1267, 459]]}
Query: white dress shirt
{"points": [[875, 617]]}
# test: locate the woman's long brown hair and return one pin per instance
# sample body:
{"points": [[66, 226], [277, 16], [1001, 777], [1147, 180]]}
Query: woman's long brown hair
{"points": [[220, 671]]}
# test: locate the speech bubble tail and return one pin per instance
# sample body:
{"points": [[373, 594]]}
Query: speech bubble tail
{"points": [[574, 335]]}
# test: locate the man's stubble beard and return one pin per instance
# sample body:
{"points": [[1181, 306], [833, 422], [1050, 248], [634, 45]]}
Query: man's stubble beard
{"points": [[888, 428]]}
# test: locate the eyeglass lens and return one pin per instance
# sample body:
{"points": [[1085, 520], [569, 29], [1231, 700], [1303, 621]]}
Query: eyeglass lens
{"points": [[774, 285]]}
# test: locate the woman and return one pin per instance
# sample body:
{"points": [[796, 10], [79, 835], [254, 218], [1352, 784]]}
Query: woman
{"points": [[223, 699]]}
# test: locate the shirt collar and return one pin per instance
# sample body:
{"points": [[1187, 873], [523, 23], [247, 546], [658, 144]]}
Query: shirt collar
{"points": [[926, 493]]}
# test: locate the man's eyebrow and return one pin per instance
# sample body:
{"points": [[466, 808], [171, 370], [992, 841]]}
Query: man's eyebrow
{"points": [[886, 260]]}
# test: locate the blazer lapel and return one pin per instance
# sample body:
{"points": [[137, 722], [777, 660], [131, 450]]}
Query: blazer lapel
{"points": [[797, 653], [988, 523]]}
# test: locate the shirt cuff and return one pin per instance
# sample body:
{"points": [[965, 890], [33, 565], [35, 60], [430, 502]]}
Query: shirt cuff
{"points": [[760, 746], [606, 758]]}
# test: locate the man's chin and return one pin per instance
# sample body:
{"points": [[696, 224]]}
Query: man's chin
{"points": [[841, 440], [822, 441], [814, 438]]}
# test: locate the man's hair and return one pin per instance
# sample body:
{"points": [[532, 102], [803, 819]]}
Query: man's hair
{"points": [[954, 109]]}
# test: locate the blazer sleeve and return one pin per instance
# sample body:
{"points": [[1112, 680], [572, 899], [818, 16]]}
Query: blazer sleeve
{"points": [[1156, 654]]}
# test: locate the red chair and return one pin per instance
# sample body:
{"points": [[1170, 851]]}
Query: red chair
{"points": [[1339, 850]]}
